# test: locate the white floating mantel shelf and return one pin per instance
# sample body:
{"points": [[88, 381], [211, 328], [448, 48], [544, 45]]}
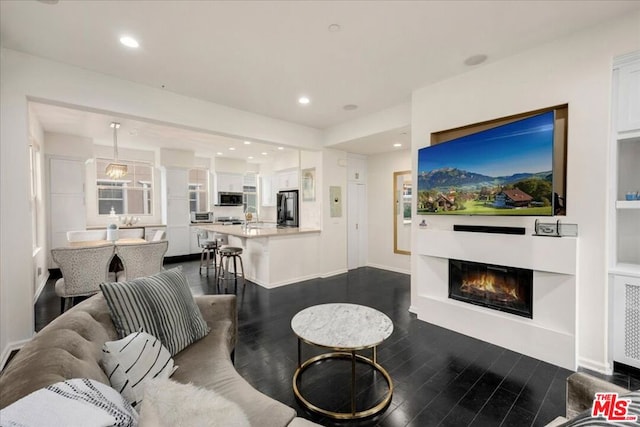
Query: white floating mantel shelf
{"points": [[550, 254]]}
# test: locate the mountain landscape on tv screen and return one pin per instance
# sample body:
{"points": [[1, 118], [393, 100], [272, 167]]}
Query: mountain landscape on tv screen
{"points": [[503, 170], [445, 178], [456, 191]]}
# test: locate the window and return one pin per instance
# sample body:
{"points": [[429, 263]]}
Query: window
{"points": [[198, 190], [406, 202], [34, 196], [250, 195], [131, 195]]}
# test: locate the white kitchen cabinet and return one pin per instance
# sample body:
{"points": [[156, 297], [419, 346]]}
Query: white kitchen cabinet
{"points": [[267, 191], [177, 183], [176, 212], [193, 241], [179, 243], [287, 180], [66, 199], [229, 182], [628, 113]]}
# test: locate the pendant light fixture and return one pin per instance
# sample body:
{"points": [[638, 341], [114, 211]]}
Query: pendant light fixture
{"points": [[115, 170]]}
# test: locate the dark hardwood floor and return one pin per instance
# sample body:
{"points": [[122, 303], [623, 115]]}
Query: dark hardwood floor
{"points": [[441, 378]]}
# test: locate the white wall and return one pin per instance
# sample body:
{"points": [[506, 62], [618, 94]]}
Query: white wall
{"points": [[311, 210], [575, 70], [380, 207], [27, 77], [390, 118], [334, 230]]}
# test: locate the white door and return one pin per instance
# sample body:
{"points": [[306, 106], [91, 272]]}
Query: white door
{"points": [[357, 225]]}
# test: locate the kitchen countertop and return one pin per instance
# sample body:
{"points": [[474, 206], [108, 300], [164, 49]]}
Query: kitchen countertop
{"points": [[240, 231]]}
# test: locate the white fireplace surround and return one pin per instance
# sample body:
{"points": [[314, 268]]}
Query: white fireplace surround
{"points": [[549, 336]]}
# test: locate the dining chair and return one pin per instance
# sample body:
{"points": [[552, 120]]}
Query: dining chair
{"points": [[141, 259], [83, 269], [131, 233], [86, 235], [158, 235]]}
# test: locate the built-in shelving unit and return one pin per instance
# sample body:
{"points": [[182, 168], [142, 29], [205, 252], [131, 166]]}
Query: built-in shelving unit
{"points": [[628, 204], [624, 226]]}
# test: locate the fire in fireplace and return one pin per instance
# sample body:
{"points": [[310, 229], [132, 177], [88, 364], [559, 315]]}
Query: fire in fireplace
{"points": [[507, 289]]}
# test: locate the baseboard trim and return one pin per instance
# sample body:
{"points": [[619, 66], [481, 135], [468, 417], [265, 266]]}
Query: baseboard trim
{"points": [[41, 286], [389, 268], [334, 273], [10, 348], [603, 368]]}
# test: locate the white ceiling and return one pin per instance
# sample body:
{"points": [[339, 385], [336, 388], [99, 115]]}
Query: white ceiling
{"points": [[260, 56]]}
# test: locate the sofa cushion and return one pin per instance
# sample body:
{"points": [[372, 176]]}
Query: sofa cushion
{"points": [[585, 418], [161, 304], [71, 403], [207, 364], [171, 404], [128, 362]]}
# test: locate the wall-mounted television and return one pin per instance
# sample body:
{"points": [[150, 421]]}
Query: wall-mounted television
{"points": [[507, 169]]}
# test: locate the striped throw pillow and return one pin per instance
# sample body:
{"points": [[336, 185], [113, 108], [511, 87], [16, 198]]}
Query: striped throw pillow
{"points": [[132, 360], [162, 305]]}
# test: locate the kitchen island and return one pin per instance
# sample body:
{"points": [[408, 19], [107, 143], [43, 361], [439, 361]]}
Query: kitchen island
{"points": [[274, 256]]}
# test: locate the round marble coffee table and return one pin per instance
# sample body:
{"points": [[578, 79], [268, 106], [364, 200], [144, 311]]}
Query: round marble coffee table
{"points": [[344, 329]]}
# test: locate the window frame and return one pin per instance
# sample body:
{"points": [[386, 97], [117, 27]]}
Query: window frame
{"points": [[198, 192], [146, 186]]}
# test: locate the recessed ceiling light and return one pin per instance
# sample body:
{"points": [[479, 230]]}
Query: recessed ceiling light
{"points": [[219, 153], [264, 153], [232, 148], [250, 157], [350, 107], [334, 28], [303, 100], [475, 60], [280, 148], [129, 41], [397, 144], [247, 143]]}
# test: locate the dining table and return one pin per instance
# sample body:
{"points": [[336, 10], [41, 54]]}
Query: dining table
{"points": [[91, 243]]}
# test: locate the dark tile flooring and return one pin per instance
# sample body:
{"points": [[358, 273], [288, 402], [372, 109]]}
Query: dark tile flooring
{"points": [[441, 378]]}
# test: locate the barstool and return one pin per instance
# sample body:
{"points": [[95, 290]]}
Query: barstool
{"points": [[226, 253], [208, 254]]}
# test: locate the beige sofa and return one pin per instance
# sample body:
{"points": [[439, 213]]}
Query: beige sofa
{"points": [[71, 347], [581, 390]]}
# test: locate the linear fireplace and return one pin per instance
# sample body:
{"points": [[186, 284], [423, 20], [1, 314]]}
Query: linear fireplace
{"points": [[507, 289]]}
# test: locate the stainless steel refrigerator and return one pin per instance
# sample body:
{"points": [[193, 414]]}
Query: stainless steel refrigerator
{"points": [[288, 208]]}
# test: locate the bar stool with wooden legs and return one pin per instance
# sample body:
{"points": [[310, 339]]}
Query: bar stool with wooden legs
{"points": [[224, 274]]}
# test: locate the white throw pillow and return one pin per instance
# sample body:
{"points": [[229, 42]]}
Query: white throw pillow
{"points": [[77, 402], [168, 403], [130, 361]]}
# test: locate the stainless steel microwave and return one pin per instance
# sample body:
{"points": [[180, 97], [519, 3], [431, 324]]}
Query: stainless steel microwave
{"points": [[229, 199]]}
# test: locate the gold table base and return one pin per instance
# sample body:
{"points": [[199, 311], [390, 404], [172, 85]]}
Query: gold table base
{"points": [[353, 357]]}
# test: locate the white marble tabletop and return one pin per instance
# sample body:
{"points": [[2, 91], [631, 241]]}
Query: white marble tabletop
{"points": [[342, 326]]}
